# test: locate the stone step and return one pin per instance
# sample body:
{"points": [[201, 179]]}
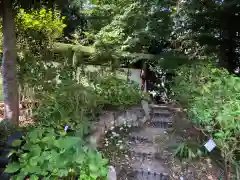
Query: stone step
{"points": [[160, 124], [139, 111], [143, 150], [146, 134], [160, 106], [151, 166], [146, 175], [161, 118], [138, 139], [160, 112]]}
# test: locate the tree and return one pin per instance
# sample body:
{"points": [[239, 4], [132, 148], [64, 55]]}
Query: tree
{"points": [[9, 72], [209, 27], [134, 26], [9, 62]]}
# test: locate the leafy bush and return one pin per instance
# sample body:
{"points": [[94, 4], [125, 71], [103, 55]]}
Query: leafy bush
{"points": [[70, 104], [117, 92], [76, 104], [45, 153], [212, 97]]}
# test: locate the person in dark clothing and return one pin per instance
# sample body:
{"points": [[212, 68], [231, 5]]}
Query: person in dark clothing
{"points": [[143, 77]]}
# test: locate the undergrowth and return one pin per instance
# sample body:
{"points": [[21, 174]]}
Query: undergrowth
{"points": [[211, 96], [45, 153]]}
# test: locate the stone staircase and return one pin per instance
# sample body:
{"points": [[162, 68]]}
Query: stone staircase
{"points": [[146, 161]]}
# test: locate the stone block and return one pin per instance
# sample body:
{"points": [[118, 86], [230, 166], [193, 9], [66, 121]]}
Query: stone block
{"points": [[112, 175], [121, 119]]}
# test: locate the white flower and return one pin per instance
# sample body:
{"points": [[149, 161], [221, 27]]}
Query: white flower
{"points": [[115, 134]]}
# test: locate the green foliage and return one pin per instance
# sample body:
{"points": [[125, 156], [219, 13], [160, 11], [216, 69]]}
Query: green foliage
{"points": [[135, 28], [36, 27], [208, 28], [189, 150], [45, 153], [40, 22], [212, 97], [117, 92], [36, 32], [69, 104], [76, 104]]}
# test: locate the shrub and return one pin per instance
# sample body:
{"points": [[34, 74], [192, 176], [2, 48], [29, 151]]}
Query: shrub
{"points": [[45, 153], [117, 92], [70, 104], [212, 97], [76, 104]]}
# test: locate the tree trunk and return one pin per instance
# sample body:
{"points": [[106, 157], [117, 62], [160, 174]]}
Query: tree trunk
{"points": [[9, 62]]}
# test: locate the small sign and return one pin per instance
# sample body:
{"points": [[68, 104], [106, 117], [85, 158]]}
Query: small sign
{"points": [[65, 128], [210, 145]]}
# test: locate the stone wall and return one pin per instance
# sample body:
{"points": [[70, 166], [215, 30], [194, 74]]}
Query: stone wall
{"points": [[134, 116]]}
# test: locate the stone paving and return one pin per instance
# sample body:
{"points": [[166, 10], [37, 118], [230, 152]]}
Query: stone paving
{"points": [[145, 163]]}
